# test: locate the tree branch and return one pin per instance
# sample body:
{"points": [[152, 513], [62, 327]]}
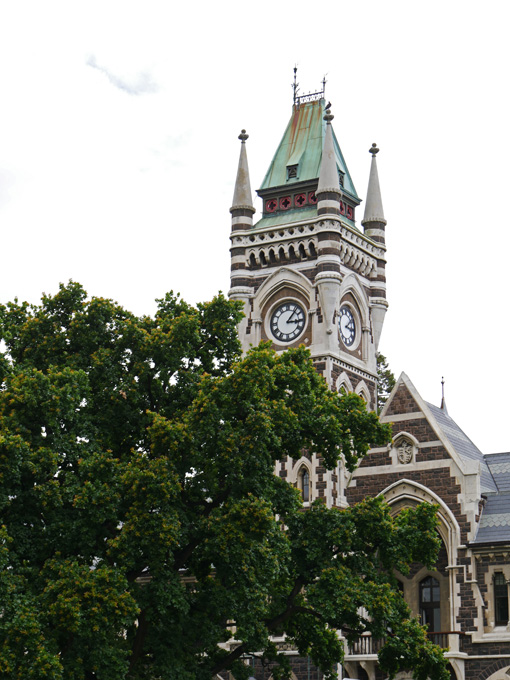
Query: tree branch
{"points": [[139, 640]]}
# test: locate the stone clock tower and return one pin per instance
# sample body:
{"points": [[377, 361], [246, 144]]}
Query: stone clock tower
{"points": [[305, 272]]}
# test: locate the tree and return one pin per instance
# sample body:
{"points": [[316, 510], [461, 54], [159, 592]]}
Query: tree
{"points": [[141, 523], [385, 381]]}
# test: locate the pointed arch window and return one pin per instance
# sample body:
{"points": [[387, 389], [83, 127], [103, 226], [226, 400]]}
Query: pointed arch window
{"points": [[500, 599], [430, 604], [304, 483]]}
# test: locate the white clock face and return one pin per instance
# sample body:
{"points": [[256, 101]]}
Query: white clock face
{"points": [[347, 326], [287, 321]]}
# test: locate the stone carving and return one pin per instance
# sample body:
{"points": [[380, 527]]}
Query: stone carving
{"points": [[404, 452]]}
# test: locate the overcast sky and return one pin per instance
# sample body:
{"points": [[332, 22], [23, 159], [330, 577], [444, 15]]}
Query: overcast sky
{"points": [[118, 154]]}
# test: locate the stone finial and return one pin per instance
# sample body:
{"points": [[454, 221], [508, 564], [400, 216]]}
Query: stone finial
{"points": [[328, 116], [373, 150], [243, 136]]}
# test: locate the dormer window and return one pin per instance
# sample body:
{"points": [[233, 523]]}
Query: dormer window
{"points": [[292, 171], [341, 178]]}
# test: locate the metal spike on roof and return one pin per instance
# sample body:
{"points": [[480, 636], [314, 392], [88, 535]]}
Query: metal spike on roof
{"points": [[443, 402]]}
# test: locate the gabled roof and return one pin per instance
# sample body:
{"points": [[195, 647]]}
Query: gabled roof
{"points": [[463, 445], [494, 526], [302, 145], [457, 443], [499, 465]]}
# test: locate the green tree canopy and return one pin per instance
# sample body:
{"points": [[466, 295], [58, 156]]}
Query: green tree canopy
{"points": [[385, 381], [142, 525]]}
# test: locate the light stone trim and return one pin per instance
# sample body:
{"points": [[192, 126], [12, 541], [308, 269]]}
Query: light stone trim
{"points": [[243, 219], [397, 467], [288, 232], [399, 417], [350, 367]]}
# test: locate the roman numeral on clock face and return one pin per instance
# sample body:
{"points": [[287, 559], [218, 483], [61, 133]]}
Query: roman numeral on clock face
{"points": [[288, 321]]}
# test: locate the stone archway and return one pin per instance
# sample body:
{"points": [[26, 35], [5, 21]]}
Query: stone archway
{"points": [[502, 674]]}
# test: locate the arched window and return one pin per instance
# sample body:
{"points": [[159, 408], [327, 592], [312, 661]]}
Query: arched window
{"points": [[304, 483], [430, 604], [253, 261], [500, 599]]}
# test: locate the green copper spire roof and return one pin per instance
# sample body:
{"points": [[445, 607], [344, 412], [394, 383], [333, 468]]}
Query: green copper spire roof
{"points": [[298, 157]]}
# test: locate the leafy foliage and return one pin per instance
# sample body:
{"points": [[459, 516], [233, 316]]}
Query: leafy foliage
{"points": [[385, 381], [141, 520]]}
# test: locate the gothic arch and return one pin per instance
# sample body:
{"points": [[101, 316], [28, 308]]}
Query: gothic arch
{"points": [[503, 673], [407, 491], [352, 285], [364, 393], [297, 466], [284, 277], [296, 477], [344, 382]]}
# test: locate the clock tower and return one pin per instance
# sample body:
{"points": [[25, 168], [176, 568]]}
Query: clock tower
{"points": [[305, 272]]}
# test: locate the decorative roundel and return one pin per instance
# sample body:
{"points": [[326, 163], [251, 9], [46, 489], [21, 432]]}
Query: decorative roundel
{"points": [[287, 321], [271, 205], [347, 326]]}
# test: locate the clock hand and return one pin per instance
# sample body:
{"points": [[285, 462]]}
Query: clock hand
{"points": [[291, 317]]}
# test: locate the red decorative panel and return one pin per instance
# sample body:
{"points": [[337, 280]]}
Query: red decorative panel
{"points": [[312, 198], [285, 203], [271, 205], [299, 200]]}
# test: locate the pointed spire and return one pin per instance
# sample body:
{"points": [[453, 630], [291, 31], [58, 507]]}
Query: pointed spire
{"points": [[328, 191], [373, 207], [242, 203], [443, 402], [373, 226]]}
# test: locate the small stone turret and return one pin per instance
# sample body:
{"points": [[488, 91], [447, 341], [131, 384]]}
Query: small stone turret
{"points": [[374, 226], [242, 209], [373, 221], [328, 191], [242, 212]]}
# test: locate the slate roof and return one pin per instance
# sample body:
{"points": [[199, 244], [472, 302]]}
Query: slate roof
{"points": [[464, 447], [494, 526]]}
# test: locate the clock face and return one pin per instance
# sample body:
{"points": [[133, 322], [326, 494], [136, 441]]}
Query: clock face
{"points": [[287, 321], [347, 326]]}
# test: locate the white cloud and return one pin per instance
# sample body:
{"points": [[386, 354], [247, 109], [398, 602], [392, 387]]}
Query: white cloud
{"points": [[139, 83]]}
